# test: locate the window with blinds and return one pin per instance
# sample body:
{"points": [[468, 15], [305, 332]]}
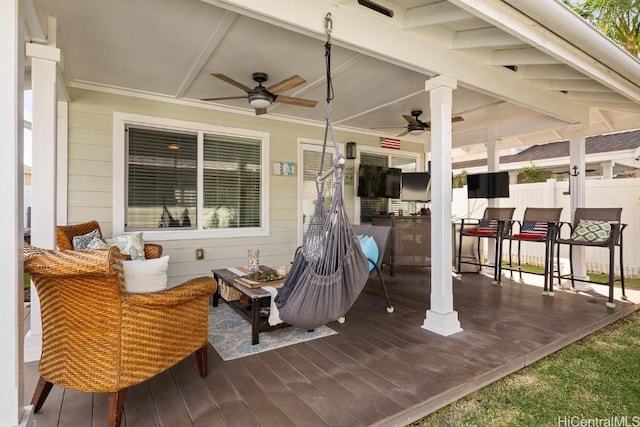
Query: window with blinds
{"points": [[232, 182], [163, 189], [161, 178]]}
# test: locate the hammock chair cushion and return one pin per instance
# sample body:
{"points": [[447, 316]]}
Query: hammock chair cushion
{"points": [[370, 249]]}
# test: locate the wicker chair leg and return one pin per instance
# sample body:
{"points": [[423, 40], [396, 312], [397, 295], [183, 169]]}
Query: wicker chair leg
{"points": [[116, 407], [40, 394], [201, 357]]}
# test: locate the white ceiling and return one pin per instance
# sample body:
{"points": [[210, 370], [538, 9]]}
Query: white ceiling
{"points": [[379, 64]]}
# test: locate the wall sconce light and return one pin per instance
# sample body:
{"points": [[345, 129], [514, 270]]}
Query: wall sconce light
{"points": [[351, 150]]}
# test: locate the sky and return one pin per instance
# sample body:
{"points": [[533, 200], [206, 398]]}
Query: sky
{"points": [[28, 107]]}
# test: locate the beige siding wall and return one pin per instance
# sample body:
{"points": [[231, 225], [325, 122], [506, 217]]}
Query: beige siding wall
{"points": [[90, 177]]}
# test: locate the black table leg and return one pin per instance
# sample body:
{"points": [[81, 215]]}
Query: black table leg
{"points": [[255, 319]]}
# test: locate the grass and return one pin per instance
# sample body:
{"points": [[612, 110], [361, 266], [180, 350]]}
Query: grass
{"points": [[27, 281], [600, 278], [595, 378]]}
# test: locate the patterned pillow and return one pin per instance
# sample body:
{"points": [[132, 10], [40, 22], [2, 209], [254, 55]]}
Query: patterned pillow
{"points": [[81, 242], [592, 231], [97, 243], [535, 227], [131, 244], [488, 225]]}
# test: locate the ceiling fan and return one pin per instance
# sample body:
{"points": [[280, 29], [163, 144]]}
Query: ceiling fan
{"points": [[261, 97], [416, 126]]}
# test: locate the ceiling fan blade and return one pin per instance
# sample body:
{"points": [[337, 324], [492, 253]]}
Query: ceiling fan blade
{"points": [[231, 81], [403, 133], [261, 111], [388, 127], [224, 97], [457, 119], [286, 84], [296, 101], [412, 120]]}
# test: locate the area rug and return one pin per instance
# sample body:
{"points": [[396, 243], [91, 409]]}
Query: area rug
{"points": [[230, 334]]}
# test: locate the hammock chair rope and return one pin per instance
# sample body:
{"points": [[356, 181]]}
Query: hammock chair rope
{"points": [[329, 270]]}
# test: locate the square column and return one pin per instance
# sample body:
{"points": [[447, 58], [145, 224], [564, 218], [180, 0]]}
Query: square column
{"points": [[441, 318], [577, 155], [12, 30], [44, 68]]}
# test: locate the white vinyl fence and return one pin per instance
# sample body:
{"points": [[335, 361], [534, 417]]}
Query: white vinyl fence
{"points": [[624, 193]]}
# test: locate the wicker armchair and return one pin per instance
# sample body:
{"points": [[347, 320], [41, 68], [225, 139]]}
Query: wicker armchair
{"points": [[66, 233], [99, 338]]}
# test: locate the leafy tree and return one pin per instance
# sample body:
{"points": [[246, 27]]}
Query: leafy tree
{"points": [[530, 173], [618, 19], [460, 179]]}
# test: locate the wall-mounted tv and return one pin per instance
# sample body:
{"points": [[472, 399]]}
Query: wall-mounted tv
{"points": [[491, 185], [379, 181], [416, 187]]}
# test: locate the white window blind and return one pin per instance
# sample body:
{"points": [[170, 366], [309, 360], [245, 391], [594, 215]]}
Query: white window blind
{"points": [[232, 182], [162, 179]]}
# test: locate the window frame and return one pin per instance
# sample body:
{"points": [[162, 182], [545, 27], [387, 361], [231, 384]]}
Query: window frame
{"points": [[121, 120]]}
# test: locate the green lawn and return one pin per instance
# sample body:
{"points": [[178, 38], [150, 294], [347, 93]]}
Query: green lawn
{"points": [[600, 278], [593, 380]]}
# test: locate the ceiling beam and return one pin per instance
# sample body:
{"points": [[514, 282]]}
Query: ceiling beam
{"points": [[575, 85], [484, 37], [216, 37], [385, 39], [433, 14], [521, 56], [550, 72]]}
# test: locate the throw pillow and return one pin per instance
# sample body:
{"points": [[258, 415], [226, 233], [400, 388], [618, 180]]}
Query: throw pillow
{"points": [[81, 242], [97, 243], [488, 225], [131, 244], [144, 276], [592, 231], [370, 249]]}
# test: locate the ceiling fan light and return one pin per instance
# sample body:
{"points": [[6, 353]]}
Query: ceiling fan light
{"points": [[416, 130], [259, 101]]}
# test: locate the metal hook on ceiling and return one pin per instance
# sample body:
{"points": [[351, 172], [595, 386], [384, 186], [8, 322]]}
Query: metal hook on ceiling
{"points": [[328, 25]]}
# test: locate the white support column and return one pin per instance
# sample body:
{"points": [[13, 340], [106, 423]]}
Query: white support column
{"points": [[12, 410], [607, 169], [441, 318], [577, 154], [44, 61], [493, 165]]}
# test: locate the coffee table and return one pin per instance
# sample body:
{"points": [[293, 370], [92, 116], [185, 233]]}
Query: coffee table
{"points": [[257, 298]]}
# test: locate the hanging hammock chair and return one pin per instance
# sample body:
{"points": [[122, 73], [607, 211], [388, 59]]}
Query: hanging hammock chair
{"points": [[329, 270]]}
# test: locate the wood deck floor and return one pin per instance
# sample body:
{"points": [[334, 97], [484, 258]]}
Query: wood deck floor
{"points": [[380, 369]]}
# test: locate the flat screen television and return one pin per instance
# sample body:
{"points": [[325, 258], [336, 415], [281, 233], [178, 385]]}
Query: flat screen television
{"points": [[379, 181], [490, 185], [416, 187]]}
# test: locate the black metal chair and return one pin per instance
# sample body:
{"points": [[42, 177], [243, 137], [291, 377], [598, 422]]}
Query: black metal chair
{"points": [[538, 225], [595, 228], [494, 223]]}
